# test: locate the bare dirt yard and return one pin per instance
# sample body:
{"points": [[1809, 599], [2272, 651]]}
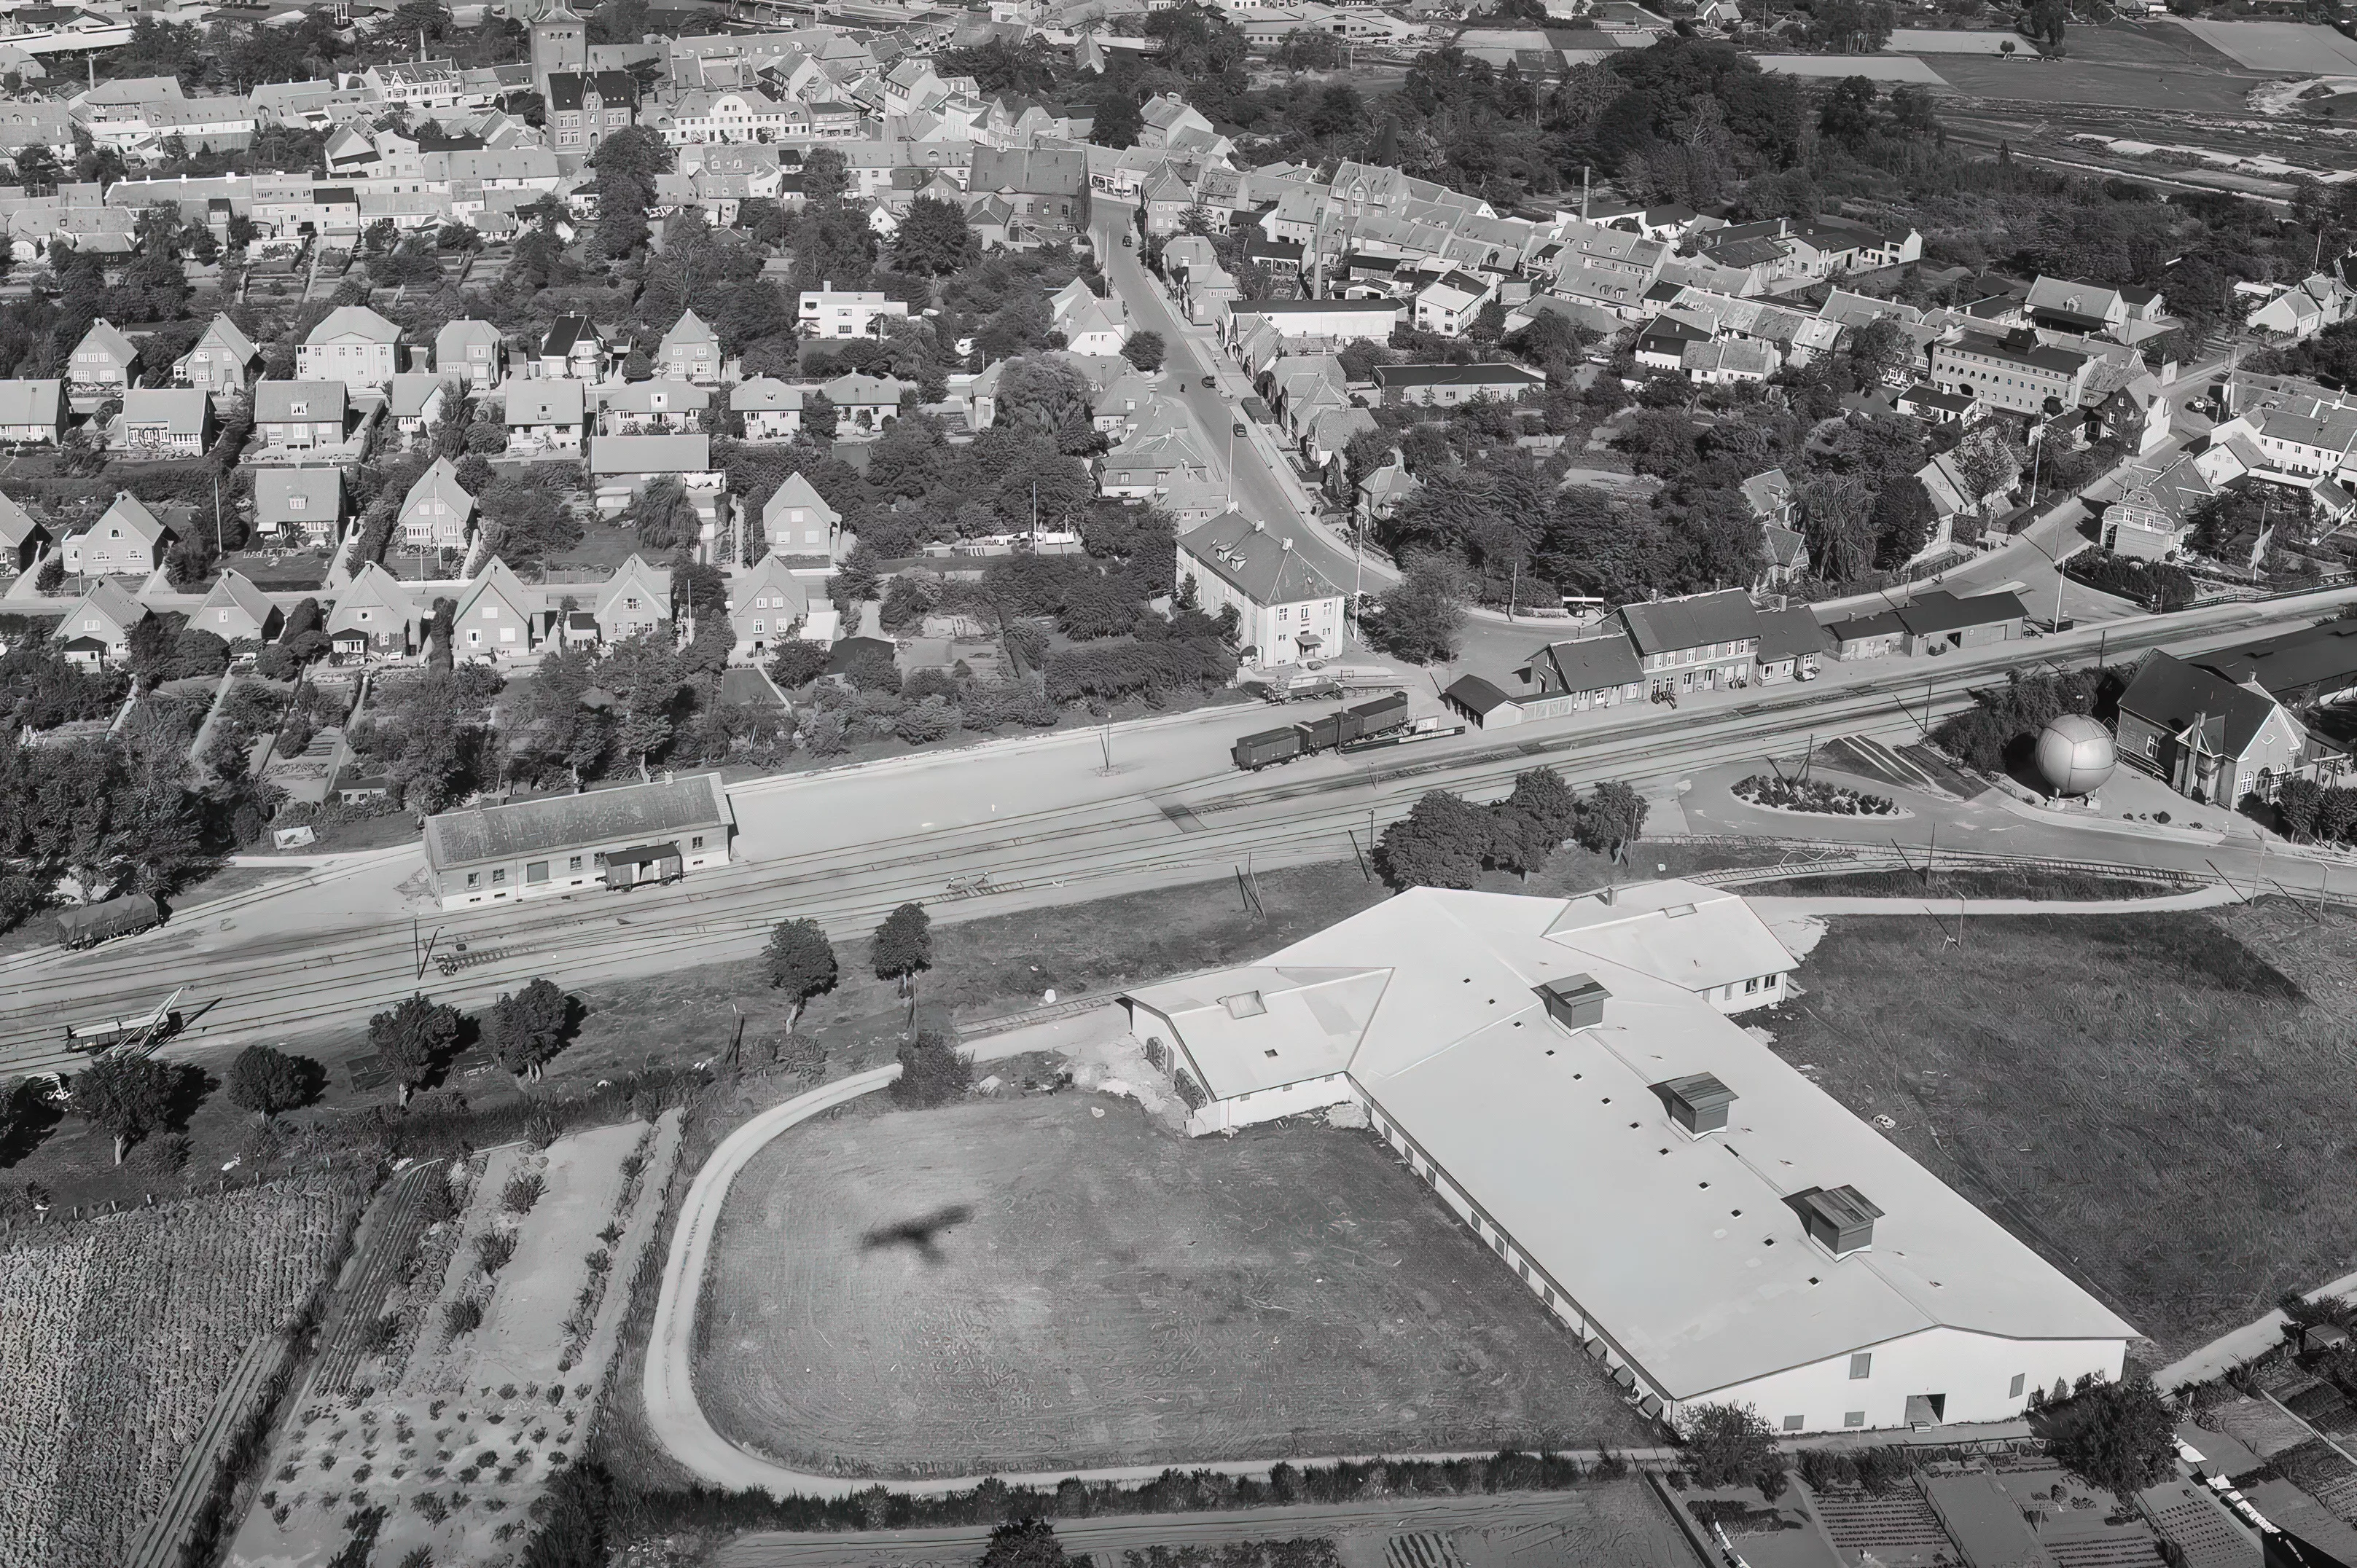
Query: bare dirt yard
{"points": [[2160, 1103], [1051, 1282]]}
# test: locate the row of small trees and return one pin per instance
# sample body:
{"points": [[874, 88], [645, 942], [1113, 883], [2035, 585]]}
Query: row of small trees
{"points": [[129, 1096], [1447, 841], [801, 963]]}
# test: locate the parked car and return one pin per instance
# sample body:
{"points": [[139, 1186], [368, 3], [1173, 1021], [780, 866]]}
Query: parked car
{"points": [[1239, 429]]}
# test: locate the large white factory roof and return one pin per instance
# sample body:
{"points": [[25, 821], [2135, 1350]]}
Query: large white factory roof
{"points": [[1689, 1253]]}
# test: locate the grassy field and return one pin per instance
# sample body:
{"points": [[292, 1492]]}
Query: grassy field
{"points": [[1995, 883], [2149, 67], [2160, 1103], [115, 1334], [1115, 1294]]}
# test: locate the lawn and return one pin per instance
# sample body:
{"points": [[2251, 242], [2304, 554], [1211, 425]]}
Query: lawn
{"points": [[1115, 1294], [2160, 1103], [1997, 884], [2149, 68]]}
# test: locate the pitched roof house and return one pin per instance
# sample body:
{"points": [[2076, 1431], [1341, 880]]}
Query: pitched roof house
{"points": [[163, 422], [375, 616], [493, 619], [636, 598], [772, 410], [690, 352], [2209, 739], [796, 519], [235, 609], [351, 344], [103, 363], [32, 410], [766, 606], [224, 361], [96, 627], [299, 416], [23, 536], [437, 513], [470, 351], [545, 415], [128, 538], [307, 502]]}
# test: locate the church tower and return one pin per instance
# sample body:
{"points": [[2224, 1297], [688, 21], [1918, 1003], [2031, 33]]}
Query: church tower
{"points": [[560, 42]]}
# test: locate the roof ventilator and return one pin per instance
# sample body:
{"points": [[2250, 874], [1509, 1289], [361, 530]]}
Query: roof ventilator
{"points": [[1839, 1218], [1576, 1001], [1696, 1102]]}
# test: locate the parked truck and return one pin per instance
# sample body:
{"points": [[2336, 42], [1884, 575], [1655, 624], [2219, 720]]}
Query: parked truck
{"points": [[1340, 730]]}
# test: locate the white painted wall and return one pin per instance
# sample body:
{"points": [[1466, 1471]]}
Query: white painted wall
{"points": [[1976, 1371]]}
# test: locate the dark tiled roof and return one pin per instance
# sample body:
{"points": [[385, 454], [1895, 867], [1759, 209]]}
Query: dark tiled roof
{"points": [[1882, 623], [2316, 655], [1692, 622], [1589, 664], [2172, 695], [1941, 610], [1789, 634], [636, 812], [1471, 691]]}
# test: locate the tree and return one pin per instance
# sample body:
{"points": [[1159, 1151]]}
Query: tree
{"points": [[1533, 820], [1610, 819], [269, 1082], [1424, 613], [1024, 1543], [1144, 350], [1441, 842], [2119, 1436], [934, 238], [526, 1029], [124, 1094], [2297, 802], [411, 1038], [797, 664], [1118, 122], [1848, 115], [933, 1071], [799, 961], [826, 176], [903, 946], [1727, 1445], [1837, 516], [819, 417]]}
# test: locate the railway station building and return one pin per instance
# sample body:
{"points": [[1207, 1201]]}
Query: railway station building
{"points": [[566, 844], [1566, 1076]]}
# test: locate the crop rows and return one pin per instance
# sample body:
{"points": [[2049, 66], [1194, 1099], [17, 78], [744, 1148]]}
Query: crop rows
{"points": [[355, 1312], [122, 1355]]}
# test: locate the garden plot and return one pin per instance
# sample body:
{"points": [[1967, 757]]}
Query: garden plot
{"points": [[115, 1339], [483, 1379], [1033, 1283]]}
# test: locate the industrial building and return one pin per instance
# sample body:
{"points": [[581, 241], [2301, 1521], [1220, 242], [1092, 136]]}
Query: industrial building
{"points": [[563, 844], [1712, 1226]]}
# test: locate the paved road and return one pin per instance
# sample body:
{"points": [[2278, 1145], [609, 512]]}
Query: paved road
{"points": [[1576, 1512], [1041, 818]]}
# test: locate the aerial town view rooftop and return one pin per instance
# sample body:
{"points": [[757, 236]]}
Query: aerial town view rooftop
{"points": [[1179, 784]]}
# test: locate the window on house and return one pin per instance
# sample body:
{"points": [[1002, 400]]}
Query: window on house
{"points": [[574, 863], [2020, 1379], [1861, 1365], [1795, 1423], [535, 871], [1854, 1417], [474, 879], [696, 842]]}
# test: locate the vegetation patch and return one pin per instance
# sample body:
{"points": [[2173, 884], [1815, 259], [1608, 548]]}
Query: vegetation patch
{"points": [[1811, 795]]}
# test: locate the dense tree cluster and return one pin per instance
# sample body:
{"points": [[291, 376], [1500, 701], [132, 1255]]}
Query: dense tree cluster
{"points": [[1447, 841]]}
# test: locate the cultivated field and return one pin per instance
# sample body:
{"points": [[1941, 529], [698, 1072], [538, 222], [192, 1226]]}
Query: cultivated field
{"points": [[2149, 67], [2160, 1103], [463, 1359], [2292, 48], [114, 1338], [1081, 1289]]}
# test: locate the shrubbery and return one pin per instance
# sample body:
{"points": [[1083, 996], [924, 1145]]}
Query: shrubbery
{"points": [[1811, 795], [2004, 722], [2155, 583]]}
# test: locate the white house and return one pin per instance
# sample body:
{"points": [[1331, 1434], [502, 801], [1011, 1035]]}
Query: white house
{"points": [[831, 312], [1288, 611], [796, 519], [773, 411], [1707, 1223], [351, 344]]}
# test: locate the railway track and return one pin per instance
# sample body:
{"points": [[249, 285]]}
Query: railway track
{"points": [[287, 985]]}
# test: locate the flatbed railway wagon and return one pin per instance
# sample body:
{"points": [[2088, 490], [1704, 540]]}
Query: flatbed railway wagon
{"points": [[91, 924], [1338, 731]]}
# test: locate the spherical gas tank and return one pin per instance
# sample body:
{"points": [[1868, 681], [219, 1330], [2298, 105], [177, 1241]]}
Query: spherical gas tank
{"points": [[2075, 755]]}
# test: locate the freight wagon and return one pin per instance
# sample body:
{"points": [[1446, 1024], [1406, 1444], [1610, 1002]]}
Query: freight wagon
{"points": [[93, 923], [1338, 731]]}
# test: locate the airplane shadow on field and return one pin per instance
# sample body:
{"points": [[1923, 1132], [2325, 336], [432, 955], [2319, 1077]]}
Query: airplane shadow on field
{"points": [[920, 1235]]}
